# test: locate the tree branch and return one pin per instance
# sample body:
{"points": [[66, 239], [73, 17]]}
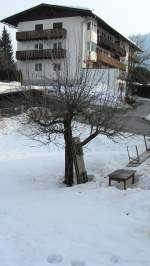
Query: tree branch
{"points": [[89, 138]]}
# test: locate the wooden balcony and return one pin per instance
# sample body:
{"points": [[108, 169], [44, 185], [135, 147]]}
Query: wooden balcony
{"points": [[41, 35], [121, 51], [41, 54], [109, 61], [115, 47]]}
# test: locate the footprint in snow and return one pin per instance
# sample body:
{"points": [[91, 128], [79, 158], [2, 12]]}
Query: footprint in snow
{"points": [[54, 258], [114, 259], [77, 263]]}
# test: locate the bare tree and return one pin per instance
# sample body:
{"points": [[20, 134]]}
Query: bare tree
{"points": [[137, 60], [79, 96], [142, 57]]}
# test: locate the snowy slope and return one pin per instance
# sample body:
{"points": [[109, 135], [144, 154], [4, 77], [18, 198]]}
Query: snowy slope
{"points": [[44, 223]]}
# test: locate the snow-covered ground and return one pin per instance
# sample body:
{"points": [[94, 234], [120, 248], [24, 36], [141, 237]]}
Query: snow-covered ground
{"points": [[44, 223], [147, 118], [9, 86], [13, 86]]}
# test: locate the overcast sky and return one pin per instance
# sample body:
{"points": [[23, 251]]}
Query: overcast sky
{"points": [[128, 17]]}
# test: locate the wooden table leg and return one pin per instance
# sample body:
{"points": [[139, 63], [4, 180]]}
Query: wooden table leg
{"points": [[133, 179], [125, 184], [109, 181]]}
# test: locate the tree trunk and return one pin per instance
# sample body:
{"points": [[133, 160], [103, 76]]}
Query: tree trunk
{"points": [[68, 154]]}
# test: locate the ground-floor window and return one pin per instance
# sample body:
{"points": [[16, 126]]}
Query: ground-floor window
{"points": [[56, 67], [38, 67]]}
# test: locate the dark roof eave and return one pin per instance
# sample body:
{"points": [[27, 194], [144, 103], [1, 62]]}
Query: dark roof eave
{"points": [[13, 21]]}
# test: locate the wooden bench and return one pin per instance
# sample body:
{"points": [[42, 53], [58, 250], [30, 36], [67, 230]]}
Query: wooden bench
{"points": [[122, 175]]}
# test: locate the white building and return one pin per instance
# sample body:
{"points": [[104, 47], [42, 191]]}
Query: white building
{"points": [[49, 36]]}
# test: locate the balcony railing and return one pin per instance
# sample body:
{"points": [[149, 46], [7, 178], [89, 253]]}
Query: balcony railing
{"points": [[110, 61], [41, 54], [41, 34], [104, 42]]}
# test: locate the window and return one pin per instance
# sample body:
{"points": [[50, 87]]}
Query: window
{"points": [[38, 67], [57, 25], [56, 67], [59, 45], [39, 46], [88, 25], [39, 27], [94, 46], [55, 45], [89, 46], [94, 26]]}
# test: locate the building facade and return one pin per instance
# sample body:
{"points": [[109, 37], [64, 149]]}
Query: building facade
{"points": [[50, 37]]}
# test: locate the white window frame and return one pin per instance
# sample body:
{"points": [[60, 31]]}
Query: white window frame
{"points": [[38, 67], [38, 46], [58, 45], [57, 67]]}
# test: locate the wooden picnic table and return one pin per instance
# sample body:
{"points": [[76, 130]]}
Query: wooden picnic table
{"points": [[122, 175]]}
